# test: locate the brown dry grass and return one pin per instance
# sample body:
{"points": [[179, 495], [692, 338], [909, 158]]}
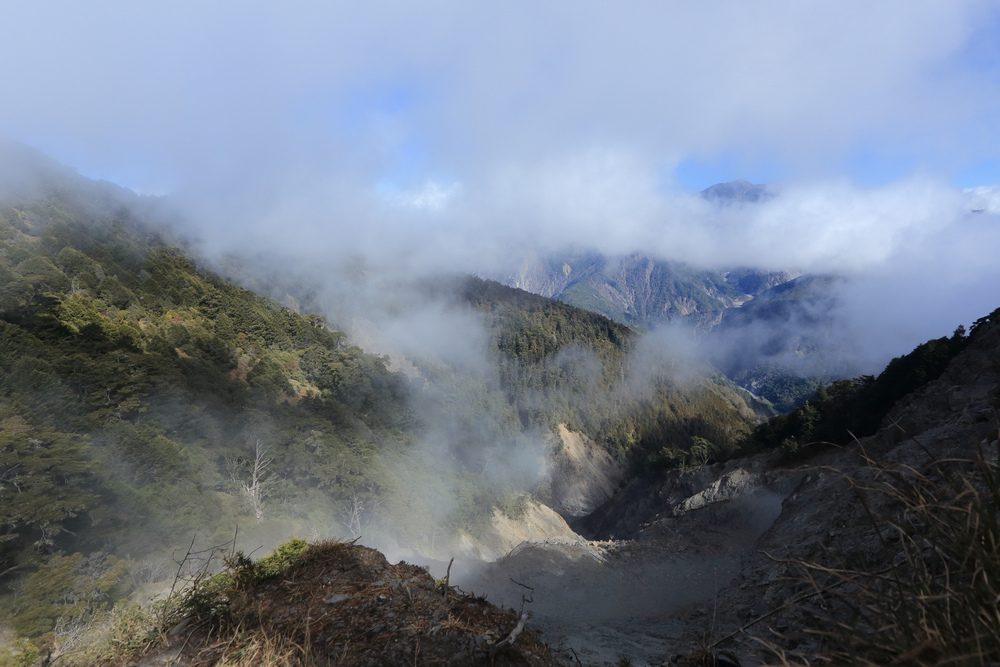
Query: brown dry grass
{"points": [[329, 603], [937, 600]]}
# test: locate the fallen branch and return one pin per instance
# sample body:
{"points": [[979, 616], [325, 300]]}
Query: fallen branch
{"points": [[447, 578], [507, 641]]}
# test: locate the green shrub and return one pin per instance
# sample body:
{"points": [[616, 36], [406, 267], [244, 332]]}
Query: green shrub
{"points": [[68, 586], [20, 653], [211, 596], [280, 559]]}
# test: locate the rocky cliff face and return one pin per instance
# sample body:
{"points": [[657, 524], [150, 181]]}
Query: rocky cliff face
{"points": [[636, 289], [537, 523], [550, 275], [583, 476]]}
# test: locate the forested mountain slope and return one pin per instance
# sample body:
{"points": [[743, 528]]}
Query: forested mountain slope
{"points": [[135, 391], [143, 400], [586, 370]]}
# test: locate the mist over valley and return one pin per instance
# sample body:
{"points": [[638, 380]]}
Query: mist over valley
{"points": [[525, 334]]}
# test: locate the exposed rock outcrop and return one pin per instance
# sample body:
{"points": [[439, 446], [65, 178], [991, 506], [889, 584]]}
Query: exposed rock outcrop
{"points": [[583, 475], [537, 523], [643, 502]]}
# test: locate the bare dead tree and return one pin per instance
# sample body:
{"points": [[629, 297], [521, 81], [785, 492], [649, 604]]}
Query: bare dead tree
{"points": [[8, 475], [253, 489], [522, 619], [70, 633], [357, 515], [353, 514]]}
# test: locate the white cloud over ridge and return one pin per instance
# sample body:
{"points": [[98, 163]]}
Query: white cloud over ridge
{"points": [[517, 125]]}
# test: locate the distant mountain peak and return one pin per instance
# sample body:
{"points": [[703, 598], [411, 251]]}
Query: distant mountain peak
{"points": [[738, 191]]}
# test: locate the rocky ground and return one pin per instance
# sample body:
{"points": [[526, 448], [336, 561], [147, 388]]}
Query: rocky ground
{"points": [[713, 557], [619, 598], [344, 604]]}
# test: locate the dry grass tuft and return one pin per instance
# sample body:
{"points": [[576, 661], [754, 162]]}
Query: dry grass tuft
{"points": [[937, 601], [328, 603]]}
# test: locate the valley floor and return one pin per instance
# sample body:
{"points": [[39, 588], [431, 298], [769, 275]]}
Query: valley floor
{"points": [[714, 556]]}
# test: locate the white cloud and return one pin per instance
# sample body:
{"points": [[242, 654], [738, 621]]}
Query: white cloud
{"points": [[985, 198], [555, 122], [197, 90], [431, 196]]}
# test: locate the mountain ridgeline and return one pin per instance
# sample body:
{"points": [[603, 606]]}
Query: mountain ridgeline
{"points": [[639, 290], [144, 399], [770, 332], [642, 291], [854, 408]]}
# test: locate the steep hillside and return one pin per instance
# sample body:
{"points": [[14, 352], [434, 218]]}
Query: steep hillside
{"points": [[880, 552], [848, 409], [655, 412], [908, 507], [833, 416], [144, 399]]}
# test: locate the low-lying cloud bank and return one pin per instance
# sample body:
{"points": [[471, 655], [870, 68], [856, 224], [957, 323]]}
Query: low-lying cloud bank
{"points": [[917, 256], [455, 137]]}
